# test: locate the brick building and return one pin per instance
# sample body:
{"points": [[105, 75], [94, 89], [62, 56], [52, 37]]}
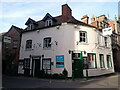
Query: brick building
{"points": [[10, 50]]}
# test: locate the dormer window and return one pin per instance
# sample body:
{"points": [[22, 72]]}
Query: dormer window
{"points": [[49, 20], [48, 23], [31, 26]]}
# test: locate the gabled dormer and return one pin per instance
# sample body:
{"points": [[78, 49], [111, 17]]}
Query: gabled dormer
{"points": [[49, 20], [31, 24]]}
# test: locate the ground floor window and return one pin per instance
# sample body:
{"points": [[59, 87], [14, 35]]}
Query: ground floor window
{"points": [[46, 63], [92, 60], [26, 63], [109, 62], [21, 62], [101, 57]]}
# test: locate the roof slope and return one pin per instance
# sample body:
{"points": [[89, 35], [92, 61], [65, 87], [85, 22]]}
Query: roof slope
{"points": [[41, 23]]}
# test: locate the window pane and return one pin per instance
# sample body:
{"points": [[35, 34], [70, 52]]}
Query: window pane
{"points": [[91, 61], [47, 63], [109, 63], [28, 44], [101, 61], [27, 63], [82, 36], [80, 33]]}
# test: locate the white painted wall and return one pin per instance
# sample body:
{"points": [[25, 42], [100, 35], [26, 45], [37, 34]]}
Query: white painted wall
{"points": [[66, 36]]}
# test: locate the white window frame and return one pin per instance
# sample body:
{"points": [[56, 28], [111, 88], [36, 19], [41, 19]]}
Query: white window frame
{"points": [[109, 62], [47, 42], [30, 45], [48, 23], [106, 41], [82, 37], [102, 63]]}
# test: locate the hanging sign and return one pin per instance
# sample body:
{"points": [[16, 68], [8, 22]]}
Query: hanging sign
{"points": [[107, 31]]}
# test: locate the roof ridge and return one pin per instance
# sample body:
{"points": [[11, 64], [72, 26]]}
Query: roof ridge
{"points": [[53, 17]]}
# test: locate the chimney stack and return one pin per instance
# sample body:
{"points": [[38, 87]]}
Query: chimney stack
{"points": [[66, 13], [85, 19], [93, 18]]}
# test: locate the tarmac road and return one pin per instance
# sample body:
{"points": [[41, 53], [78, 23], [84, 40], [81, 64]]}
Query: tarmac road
{"points": [[28, 82]]}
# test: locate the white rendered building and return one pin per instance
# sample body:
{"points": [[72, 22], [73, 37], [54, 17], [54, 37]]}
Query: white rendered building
{"points": [[55, 43]]}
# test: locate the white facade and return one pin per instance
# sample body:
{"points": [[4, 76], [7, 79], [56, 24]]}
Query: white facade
{"points": [[67, 37]]}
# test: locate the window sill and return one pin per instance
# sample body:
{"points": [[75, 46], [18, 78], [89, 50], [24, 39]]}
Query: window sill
{"points": [[46, 48], [107, 47], [84, 43], [91, 69], [28, 49], [110, 68], [101, 46], [102, 68]]}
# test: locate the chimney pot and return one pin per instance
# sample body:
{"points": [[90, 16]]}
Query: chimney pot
{"points": [[85, 19]]}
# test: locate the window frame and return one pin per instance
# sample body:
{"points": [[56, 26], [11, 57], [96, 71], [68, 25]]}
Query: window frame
{"points": [[26, 63], [15, 44], [108, 57], [83, 37], [49, 22], [28, 44], [46, 64], [102, 63], [95, 60], [46, 42], [106, 41]]}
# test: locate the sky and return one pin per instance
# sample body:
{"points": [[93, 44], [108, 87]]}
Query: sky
{"points": [[17, 12]]}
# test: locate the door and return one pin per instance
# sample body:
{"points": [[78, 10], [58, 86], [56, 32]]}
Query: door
{"points": [[35, 67], [77, 68]]}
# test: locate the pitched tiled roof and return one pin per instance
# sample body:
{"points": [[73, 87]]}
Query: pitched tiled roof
{"points": [[20, 30], [41, 23], [75, 21]]}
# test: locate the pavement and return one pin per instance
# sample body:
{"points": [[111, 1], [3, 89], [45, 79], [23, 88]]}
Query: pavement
{"points": [[111, 81]]}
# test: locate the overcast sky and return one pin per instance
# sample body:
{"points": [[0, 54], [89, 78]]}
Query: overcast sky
{"points": [[17, 12]]}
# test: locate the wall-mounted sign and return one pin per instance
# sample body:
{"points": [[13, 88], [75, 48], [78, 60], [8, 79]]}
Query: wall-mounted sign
{"points": [[60, 61], [107, 31], [7, 39], [76, 56]]}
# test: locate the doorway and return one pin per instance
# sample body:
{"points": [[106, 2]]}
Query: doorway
{"points": [[36, 66], [77, 65]]}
